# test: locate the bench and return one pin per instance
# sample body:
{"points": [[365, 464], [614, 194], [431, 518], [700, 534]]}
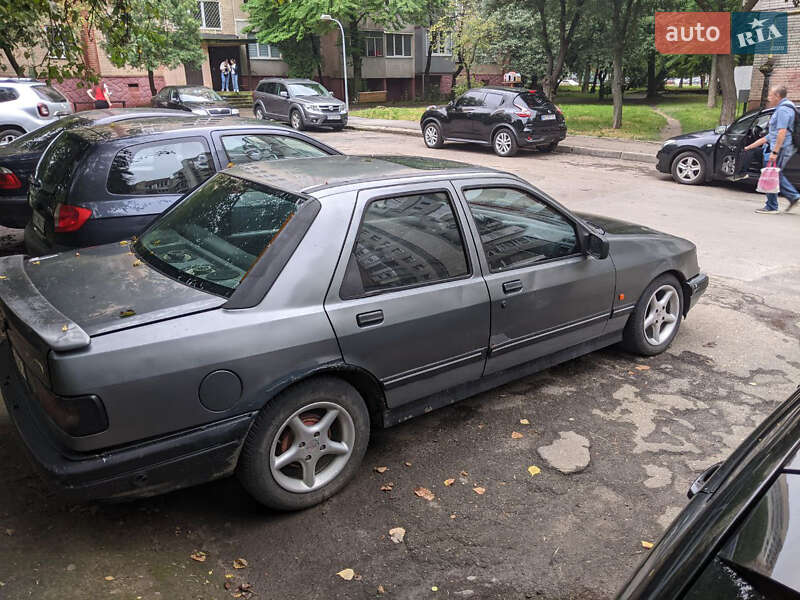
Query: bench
{"points": [[377, 96]]}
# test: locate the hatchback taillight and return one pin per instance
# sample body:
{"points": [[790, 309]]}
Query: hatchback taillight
{"points": [[8, 180], [70, 218], [521, 110], [43, 110]]}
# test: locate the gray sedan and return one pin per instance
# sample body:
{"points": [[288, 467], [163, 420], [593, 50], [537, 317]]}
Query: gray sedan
{"points": [[265, 323]]}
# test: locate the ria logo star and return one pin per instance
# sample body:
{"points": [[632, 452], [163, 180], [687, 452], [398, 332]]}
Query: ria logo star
{"points": [[756, 23]]}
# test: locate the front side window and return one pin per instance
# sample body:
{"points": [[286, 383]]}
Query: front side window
{"points": [[213, 238], [250, 147], [518, 230], [168, 167], [742, 126], [471, 99], [310, 88], [405, 241], [199, 94]]}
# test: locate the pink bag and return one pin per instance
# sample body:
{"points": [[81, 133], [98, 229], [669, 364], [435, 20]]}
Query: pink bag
{"points": [[769, 182]]}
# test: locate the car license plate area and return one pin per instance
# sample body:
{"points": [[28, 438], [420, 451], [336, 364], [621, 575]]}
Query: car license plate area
{"points": [[548, 117], [334, 117], [38, 223]]}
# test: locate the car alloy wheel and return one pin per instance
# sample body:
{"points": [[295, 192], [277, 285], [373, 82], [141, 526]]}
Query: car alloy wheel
{"points": [[662, 315], [728, 165], [8, 137], [259, 113], [503, 143], [688, 168], [312, 447], [296, 121], [431, 135]]}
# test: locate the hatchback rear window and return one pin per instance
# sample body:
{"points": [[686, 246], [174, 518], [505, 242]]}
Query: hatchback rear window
{"points": [[534, 98], [45, 92], [59, 161], [212, 239], [8, 94]]}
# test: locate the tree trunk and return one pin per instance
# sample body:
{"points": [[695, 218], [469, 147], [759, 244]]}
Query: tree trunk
{"points": [[702, 80], [13, 61], [594, 81], [454, 81], [728, 86], [587, 74], [651, 74], [356, 55], [617, 81], [680, 85], [712, 83], [151, 78], [469, 77], [427, 73]]}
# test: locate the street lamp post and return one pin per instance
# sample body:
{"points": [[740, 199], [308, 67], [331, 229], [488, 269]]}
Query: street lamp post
{"points": [[344, 58]]}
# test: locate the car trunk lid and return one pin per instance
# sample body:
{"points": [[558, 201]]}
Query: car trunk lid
{"points": [[22, 165]]}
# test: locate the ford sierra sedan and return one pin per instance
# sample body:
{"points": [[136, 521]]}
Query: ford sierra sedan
{"points": [[268, 320]]}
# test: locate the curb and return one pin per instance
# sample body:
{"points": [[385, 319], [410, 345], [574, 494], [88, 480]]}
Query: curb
{"points": [[566, 148]]}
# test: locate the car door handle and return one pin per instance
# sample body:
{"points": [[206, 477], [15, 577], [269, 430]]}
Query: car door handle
{"points": [[509, 287], [374, 317]]}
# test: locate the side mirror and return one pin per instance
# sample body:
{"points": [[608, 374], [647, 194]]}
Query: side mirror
{"points": [[284, 94], [720, 129], [597, 246], [451, 103]]}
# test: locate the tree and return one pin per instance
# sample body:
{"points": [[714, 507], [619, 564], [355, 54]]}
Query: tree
{"points": [[556, 44], [171, 40], [623, 20], [431, 12]]}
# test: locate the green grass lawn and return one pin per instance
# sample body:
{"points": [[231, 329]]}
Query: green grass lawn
{"points": [[638, 122], [691, 111], [402, 113]]}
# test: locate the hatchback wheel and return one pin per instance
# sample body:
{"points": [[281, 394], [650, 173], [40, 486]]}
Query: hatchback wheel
{"points": [[259, 112], [656, 319], [9, 134], [433, 135], [305, 444], [296, 120], [688, 168], [504, 143]]}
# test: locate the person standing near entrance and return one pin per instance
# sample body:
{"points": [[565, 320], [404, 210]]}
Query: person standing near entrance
{"points": [[100, 95], [224, 72], [779, 147], [234, 68]]}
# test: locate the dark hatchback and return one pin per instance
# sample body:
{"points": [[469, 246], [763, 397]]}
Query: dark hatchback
{"points": [[18, 158], [102, 184], [705, 156], [505, 118], [196, 99], [739, 537]]}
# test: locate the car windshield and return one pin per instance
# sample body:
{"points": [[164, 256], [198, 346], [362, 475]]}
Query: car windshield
{"points": [[37, 140], [213, 238], [199, 94], [308, 89]]}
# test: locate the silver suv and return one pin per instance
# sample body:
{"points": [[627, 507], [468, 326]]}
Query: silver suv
{"points": [[27, 104], [302, 103]]}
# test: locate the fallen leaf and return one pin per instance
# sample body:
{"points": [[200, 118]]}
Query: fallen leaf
{"points": [[515, 435], [126, 313], [3, 277], [479, 490], [464, 473], [109, 578], [482, 425], [387, 487], [65, 328], [36, 262], [227, 585], [631, 373], [642, 368], [534, 470], [753, 383], [449, 482], [434, 588], [124, 243], [198, 555], [397, 534], [239, 563], [347, 574], [77, 254], [424, 493], [407, 463], [137, 263], [647, 545], [453, 516], [524, 422], [228, 575], [381, 590], [381, 469]]}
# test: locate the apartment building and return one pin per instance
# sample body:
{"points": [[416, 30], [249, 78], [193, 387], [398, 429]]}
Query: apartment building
{"points": [[786, 67]]}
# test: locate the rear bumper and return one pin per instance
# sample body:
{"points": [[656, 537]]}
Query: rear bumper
{"points": [[15, 211], [692, 290], [137, 470], [541, 138]]}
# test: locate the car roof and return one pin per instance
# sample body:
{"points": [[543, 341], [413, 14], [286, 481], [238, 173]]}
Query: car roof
{"points": [[21, 81], [146, 126], [289, 79], [306, 175], [500, 88], [109, 115]]}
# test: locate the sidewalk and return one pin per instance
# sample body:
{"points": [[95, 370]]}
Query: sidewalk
{"points": [[577, 144]]}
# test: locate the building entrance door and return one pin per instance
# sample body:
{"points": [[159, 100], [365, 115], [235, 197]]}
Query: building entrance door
{"points": [[216, 54]]}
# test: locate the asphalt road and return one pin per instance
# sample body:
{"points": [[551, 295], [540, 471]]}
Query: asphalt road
{"points": [[646, 426]]}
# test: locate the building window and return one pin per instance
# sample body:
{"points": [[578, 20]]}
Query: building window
{"points": [[374, 42], [441, 43], [208, 14], [398, 44], [263, 51]]}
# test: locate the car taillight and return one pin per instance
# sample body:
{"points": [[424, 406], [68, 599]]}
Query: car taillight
{"points": [[43, 110], [8, 180], [70, 218], [521, 110]]}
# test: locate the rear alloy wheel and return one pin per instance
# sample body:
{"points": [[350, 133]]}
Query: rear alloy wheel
{"points": [[296, 120], [259, 112], [656, 319], [305, 445], [432, 134], [689, 168], [504, 143], [9, 134]]}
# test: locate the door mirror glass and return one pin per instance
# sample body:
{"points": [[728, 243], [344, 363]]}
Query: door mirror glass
{"points": [[720, 129], [597, 246], [284, 94]]}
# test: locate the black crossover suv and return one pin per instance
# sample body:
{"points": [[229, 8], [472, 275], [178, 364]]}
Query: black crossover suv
{"points": [[505, 118]]}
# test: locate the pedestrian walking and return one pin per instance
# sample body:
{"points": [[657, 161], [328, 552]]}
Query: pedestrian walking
{"points": [[100, 95], [224, 72], [778, 148], [234, 68]]}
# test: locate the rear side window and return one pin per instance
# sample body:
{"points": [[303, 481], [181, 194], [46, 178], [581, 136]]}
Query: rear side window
{"points": [[168, 167], [493, 100], [405, 241], [45, 92], [262, 87], [534, 98], [59, 161], [8, 94], [247, 148]]}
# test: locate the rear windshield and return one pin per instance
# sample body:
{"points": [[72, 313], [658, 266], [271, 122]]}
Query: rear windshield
{"points": [[59, 160], [37, 140], [47, 93], [534, 98], [215, 235]]}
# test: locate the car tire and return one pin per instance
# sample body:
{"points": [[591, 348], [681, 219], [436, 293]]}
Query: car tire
{"points": [[296, 120], [662, 305], [285, 486], [432, 135], [504, 143], [549, 147], [689, 168], [8, 134], [259, 113]]}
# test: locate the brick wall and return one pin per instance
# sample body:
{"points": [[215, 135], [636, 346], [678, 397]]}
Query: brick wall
{"points": [[135, 91], [787, 66]]}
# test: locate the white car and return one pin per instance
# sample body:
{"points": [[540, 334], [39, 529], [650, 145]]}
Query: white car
{"points": [[27, 104]]}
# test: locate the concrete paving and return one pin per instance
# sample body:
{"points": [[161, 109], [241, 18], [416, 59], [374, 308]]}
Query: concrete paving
{"points": [[650, 427]]}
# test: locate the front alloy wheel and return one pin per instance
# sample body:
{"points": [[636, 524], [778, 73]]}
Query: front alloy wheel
{"points": [[432, 135], [296, 120], [259, 112], [688, 168], [662, 315], [656, 318]]}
